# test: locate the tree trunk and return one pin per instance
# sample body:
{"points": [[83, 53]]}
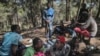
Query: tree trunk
{"points": [[68, 2], [79, 7], [98, 11]]}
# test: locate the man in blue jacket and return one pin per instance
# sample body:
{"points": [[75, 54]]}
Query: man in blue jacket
{"points": [[11, 41], [48, 17]]}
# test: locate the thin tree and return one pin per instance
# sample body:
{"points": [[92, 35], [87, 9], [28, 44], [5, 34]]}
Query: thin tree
{"points": [[98, 10], [68, 4]]}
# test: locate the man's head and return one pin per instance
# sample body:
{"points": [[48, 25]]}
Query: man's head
{"points": [[84, 15], [15, 28], [48, 5], [60, 42], [84, 5], [37, 43]]}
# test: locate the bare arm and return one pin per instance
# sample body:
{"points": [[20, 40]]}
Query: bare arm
{"points": [[67, 50], [14, 49]]}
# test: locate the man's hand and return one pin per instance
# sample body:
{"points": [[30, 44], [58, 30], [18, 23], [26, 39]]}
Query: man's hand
{"points": [[47, 21], [82, 23]]}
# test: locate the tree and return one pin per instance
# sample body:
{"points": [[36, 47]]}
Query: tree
{"points": [[68, 4], [98, 10]]}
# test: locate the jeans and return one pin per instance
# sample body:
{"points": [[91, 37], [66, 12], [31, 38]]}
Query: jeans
{"points": [[50, 30]]}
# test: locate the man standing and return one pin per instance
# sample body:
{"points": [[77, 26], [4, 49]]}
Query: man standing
{"points": [[11, 41], [48, 17]]}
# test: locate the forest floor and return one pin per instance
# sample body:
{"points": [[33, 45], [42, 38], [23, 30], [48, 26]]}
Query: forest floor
{"points": [[40, 32]]}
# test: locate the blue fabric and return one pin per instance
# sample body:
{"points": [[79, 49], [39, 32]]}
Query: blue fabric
{"points": [[9, 39], [49, 11], [71, 32]]}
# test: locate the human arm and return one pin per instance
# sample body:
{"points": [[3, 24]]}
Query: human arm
{"points": [[88, 22], [14, 49], [44, 14], [67, 50], [15, 43]]}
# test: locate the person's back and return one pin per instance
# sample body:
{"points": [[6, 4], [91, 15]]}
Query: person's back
{"points": [[8, 41], [91, 26]]}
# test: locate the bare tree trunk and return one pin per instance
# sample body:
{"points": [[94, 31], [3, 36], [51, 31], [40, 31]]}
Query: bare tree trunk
{"points": [[68, 2], [32, 14], [79, 7], [98, 10]]}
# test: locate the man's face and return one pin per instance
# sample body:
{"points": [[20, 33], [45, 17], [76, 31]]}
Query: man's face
{"points": [[58, 44], [48, 5], [40, 44], [18, 30]]}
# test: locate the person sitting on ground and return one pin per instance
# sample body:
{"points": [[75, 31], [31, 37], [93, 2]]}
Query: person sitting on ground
{"points": [[11, 41], [36, 49], [88, 28], [60, 48], [59, 29], [64, 29]]}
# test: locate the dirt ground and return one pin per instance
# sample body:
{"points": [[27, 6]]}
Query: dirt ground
{"points": [[41, 34]]}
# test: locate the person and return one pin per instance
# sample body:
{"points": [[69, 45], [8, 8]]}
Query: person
{"points": [[36, 49], [48, 17], [60, 48], [84, 8], [64, 29], [59, 30], [11, 41], [88, 28]]}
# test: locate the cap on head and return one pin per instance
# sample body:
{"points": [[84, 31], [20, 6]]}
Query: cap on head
{"points": [[61, 39]]}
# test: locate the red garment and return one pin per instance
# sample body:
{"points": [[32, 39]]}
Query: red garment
{"points": [[61, 39], [83, 32], [39, 54]]}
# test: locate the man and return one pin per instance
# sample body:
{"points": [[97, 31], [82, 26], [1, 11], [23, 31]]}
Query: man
{"points": [[11, 41], [89, 27], [36, 49], [60, 48], [84, 8], [48, 17]]}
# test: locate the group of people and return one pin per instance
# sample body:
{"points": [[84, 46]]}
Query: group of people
{"points": [[12, 40], [85, 26]]}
